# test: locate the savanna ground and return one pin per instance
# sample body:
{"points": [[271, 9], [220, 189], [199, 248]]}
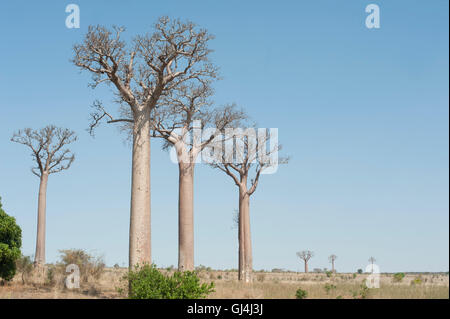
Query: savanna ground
{"points": [[265, 285]]}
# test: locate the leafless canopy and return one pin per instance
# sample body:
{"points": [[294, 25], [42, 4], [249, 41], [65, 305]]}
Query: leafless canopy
{"points": [[48, 148], [151, 66], [250, 155], [305, 255], [332, 258], [174, 119]]}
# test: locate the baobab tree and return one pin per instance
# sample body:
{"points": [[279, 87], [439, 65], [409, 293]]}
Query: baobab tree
{"points": [[243, 156], [187, 120], [305, 255], [332, 258], [141, 72], [48, 149]]}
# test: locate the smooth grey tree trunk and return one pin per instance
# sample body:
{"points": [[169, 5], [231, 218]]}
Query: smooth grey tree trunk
{"points": [[140, 242], [186, 217], [248, 258], [241, 228], [245, 243], [39, 257], [306, 266]]}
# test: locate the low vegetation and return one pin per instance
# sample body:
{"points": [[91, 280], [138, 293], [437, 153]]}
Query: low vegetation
{"points": [[147, 282], [10, 244], [98, 281]]}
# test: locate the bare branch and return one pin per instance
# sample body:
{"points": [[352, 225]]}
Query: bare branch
{"points": [[305, 255], [47, 146]]}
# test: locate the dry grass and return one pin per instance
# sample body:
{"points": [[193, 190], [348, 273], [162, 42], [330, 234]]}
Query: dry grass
{"points": [[271, 290], [265, 285]]}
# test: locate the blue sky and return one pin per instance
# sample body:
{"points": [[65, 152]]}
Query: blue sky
{"points": [[363, 113]]}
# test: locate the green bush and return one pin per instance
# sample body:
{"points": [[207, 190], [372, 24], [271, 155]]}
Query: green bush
{"points": [[328, 273], [329, 287], [301, 294], [10, 243], [398, 277], [360, 271], [363, 291], [147, 282], [416, 281]]}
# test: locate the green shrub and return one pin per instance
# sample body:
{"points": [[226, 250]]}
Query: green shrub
{"points": [[329, 273], [329, 287], [10, 243], [360, 271], [301, 294], [170, 268], [398, 277], [416, 281], [362, 293], [354, 276], [147, 282]]}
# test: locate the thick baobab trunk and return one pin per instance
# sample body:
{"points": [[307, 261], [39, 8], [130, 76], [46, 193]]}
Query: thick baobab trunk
{"points": [[186, 217], [39, 258], [140, 243], [332, 266], [306, 266], [245, 243]]}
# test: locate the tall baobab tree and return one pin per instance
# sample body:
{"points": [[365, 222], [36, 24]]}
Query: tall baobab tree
{"points": [[305, 255], [48, 149], [332, 259], [372, 261], [241, 153], [141, 72], [180, 120]]}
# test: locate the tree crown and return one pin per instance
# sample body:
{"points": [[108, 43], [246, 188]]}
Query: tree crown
{"points": [[48, 148], [173, 55], [305, 255]]}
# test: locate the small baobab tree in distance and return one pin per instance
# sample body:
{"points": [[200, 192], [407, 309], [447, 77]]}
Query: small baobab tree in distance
{"points": [[141, 72], [243, 155], [305, 255], [48, 149], [187, 120], [332, 259]]}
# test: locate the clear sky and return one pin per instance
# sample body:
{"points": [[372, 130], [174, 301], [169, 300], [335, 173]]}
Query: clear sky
{"points": [[363, 113]]}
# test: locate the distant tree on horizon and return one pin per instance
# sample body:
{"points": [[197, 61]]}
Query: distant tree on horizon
{"points": [[305, 255], [332, 259]]}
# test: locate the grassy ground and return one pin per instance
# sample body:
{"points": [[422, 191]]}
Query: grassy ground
{"points": [[265, 285]]}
